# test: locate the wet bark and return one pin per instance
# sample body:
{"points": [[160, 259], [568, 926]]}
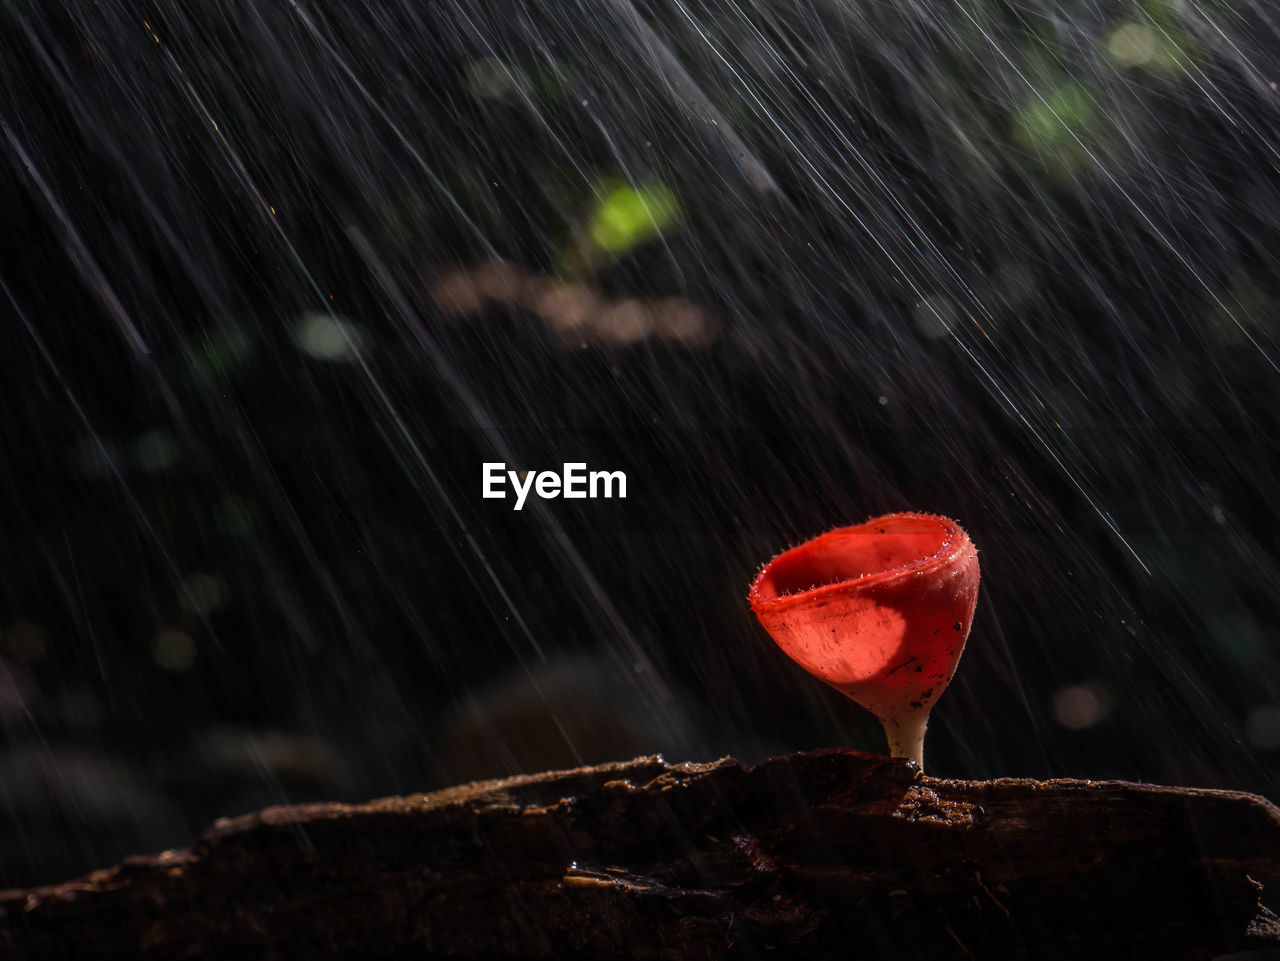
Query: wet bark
{"points": [[824, 854]]}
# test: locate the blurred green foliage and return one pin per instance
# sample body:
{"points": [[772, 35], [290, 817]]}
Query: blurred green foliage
{"points": [[628, 216]]}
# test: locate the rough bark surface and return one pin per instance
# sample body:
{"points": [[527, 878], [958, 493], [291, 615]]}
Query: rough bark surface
{"points": [[823, 854]]}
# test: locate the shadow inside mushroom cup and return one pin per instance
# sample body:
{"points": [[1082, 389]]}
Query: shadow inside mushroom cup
{"points": [[879, 611]]}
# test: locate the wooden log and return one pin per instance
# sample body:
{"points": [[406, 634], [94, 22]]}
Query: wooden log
{"points": [[823, 854]]}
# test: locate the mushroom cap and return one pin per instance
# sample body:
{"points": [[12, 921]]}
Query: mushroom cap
{"points": [[880, 611]]}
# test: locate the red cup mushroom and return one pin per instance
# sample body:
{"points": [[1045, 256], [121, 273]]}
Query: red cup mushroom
{"points": [[879, 611]]}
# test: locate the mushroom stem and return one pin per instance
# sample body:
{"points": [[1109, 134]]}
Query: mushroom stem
{"points": [[906, 736]]}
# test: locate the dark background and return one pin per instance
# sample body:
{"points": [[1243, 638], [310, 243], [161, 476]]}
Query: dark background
{"points": [[275, 285]]}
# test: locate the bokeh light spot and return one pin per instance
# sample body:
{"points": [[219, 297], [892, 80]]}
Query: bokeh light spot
{"points": [[683, 322], [565, 308], [624, 322], [1082, 705], [174, 650], [1054, 118], [935, 316], [1133, 45], [326, 337]]}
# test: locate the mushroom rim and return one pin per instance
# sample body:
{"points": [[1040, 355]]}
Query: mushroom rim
{"points": [[955, 542]]}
